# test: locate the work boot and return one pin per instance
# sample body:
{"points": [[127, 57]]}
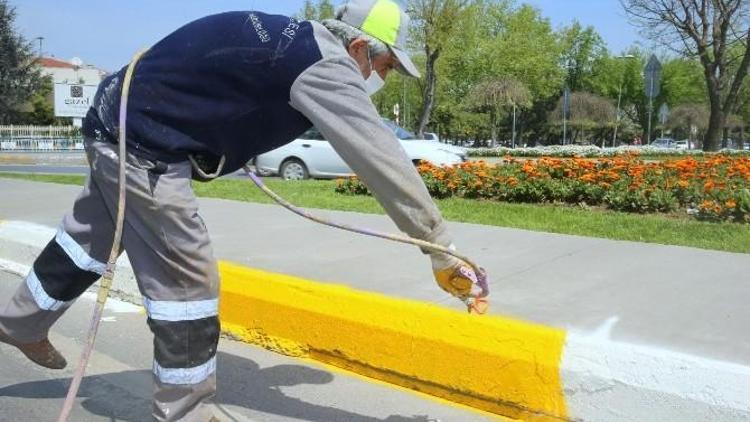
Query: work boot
{"points": [[41, 352]]}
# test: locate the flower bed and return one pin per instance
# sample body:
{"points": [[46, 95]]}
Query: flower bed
{"points": [[716, 188], [592, 151]]}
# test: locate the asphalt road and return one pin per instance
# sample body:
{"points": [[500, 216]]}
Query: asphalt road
{"points": [[37, 168]]}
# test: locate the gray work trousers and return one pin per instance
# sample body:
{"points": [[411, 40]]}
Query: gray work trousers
{"points": [[172, 259]]}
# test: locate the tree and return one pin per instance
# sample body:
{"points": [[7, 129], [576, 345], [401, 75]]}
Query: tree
{"points": [[401, 90], [435, 23], [498, 41], [587, 112], [620, 77], [689, 119], [19, 76], [717, 32], [309, 11], [494, 96], [322, 10], [325, 10], [583, 52], [42, 113]]}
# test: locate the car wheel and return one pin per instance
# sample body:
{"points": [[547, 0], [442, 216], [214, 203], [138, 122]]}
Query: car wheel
{"points": [[293, 169]]}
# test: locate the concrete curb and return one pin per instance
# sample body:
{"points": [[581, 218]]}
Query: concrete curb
{"points": [[494, 364], [508, 367]]}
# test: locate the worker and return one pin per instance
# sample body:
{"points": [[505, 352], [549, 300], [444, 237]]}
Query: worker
{"points": [[202, 102]]}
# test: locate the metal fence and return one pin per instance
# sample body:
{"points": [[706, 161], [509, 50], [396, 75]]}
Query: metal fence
{"points": [[40, 138]]}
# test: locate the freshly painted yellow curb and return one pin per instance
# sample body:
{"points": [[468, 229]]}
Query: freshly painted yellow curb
{"points": [[499, 365]]}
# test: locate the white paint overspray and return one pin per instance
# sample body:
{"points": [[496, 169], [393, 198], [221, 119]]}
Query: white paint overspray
{"points": [[613, 381]]}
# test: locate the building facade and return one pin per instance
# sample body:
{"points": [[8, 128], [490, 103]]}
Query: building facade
{"points": [[70, 72]]}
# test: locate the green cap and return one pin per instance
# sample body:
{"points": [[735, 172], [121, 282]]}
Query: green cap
{"points": [[385, 20]]}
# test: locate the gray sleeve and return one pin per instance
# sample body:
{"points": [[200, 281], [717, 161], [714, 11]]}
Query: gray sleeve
{"points": [[331, 94]]}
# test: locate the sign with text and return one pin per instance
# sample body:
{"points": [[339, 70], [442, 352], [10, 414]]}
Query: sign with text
{"points": [[73, 100]]}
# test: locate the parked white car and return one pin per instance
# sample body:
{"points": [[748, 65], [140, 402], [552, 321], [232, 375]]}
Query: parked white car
{"points": [[312, 156], [431, 136], [683, 144]]}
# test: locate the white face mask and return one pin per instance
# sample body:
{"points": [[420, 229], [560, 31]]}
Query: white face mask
{"points": [[374, 83]]}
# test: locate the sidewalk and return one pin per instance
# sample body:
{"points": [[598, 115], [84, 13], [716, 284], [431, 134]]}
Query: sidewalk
{"points": [[629, 299], [254, 384]]}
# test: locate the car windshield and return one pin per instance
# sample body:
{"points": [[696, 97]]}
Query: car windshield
{"points": [[313, 134], [400, 132]]}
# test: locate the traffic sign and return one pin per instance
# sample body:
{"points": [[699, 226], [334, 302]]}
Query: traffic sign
{"points": [[652, 74]]}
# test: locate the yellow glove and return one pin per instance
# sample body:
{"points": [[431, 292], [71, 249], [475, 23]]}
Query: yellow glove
{"points": [[460, 280], [457, 280], [452, 275]]}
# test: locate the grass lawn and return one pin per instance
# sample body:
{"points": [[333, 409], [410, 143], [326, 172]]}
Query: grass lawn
{"points": [[668, 230]]}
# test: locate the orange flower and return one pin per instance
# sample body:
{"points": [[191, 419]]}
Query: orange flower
{"points": [[706, 204], [587, 178], [732, 204]]}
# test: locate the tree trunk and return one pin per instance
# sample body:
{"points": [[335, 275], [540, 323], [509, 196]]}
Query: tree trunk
{"points": [[428, 99], [715, 128]]}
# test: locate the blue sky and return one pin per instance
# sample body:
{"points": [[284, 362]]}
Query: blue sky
{"points": [[106, 33]]}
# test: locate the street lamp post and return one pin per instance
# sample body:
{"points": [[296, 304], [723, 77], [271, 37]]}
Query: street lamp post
{"points": [[566, 99], [514, 126], [565, 110], [40, 39], [404, 106], [619, 100]]}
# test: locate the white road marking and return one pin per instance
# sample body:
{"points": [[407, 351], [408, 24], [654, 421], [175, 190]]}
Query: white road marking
{"points": [[598, 370]]}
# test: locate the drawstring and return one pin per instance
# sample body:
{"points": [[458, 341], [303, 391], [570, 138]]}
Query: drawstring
{"points": [[202, 173]]}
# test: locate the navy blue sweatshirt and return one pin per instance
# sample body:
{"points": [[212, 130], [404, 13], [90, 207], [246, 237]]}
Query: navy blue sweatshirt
{"points": [[239, 84], [219, 85]]}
